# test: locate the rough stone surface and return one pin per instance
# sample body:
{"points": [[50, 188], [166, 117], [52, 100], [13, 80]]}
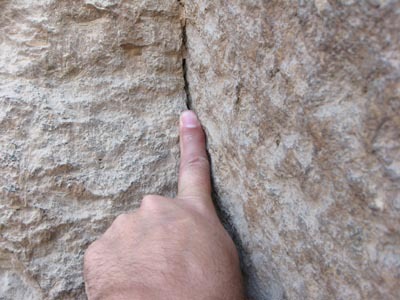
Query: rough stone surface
{"points": [[300, 102], [90, 93]]}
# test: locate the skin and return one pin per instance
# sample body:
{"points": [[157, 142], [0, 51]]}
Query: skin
{"points": [[169, 248]]}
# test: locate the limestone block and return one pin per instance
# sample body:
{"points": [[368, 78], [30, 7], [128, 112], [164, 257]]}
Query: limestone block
{"points": [[90, 93], [300, 101]]}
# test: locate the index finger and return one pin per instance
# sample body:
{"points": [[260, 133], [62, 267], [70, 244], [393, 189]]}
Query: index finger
{"points": [[194, 172]]}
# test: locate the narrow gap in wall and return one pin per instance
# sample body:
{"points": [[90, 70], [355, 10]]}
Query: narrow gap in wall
{"points": [[187, 90], [184, 53]]}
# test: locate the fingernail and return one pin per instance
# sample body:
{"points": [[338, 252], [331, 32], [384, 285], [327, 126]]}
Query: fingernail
{"points": [[189, 119]]}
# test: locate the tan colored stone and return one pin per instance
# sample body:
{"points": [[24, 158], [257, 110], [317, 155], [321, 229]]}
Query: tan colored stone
{"points": [[300, 100], [90, 93]]}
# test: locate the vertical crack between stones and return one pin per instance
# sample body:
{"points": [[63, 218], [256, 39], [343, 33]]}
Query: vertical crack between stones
{"points": [[187, 90], [184, 54]]}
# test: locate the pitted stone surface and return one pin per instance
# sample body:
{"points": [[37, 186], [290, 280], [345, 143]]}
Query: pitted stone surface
{"points": [[90, 93], [300, 100]]}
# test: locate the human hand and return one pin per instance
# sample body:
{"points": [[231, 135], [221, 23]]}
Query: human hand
{"points": [[169, 248]]}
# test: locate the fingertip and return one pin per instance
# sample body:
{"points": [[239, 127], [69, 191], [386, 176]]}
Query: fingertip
{"points": [[194, 173], [189, 119]]}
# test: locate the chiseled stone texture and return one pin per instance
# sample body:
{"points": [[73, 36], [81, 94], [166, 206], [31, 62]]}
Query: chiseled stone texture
{"points": [[300, 101], [90, 93]]}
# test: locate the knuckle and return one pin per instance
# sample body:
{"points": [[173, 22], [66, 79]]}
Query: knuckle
{"points": [[150, 202], [207, 210], [187, 135], [121, 220], [120, 223], [198, 161], [202, 207]]}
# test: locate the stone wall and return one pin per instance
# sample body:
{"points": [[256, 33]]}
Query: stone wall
{"points": [[90, 94], [300, 102]]}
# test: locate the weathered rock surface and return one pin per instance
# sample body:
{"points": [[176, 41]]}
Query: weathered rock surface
{"points": [[90, 93], [300, 100]]}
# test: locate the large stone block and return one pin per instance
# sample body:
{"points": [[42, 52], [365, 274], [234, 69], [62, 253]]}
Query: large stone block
{"points": [[300, 100], [90, 93]]}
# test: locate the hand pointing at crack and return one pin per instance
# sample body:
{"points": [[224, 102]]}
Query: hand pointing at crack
{"points": [[169, 248]]}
